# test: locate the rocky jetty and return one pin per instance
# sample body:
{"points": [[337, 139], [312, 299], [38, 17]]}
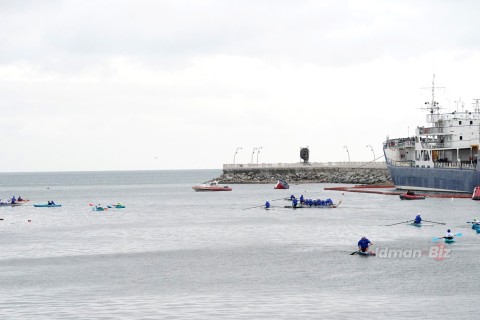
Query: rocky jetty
{"points": [[307, 175]]}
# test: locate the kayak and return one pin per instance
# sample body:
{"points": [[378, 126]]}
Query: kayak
{"points": [[449, 240], [366, 253], [116, 207], [99, 209], [412, 197], [15, 204], [47, 205], [10, 204], [421, 224]]}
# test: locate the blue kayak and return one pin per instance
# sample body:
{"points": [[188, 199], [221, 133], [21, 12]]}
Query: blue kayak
{"points": [[449, 240], [46, 205]]}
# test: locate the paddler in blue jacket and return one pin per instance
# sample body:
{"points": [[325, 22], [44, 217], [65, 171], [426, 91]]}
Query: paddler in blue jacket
{"points": [[267, 205], [418, 219], [363, 244], [302, 200], [294, 202]]}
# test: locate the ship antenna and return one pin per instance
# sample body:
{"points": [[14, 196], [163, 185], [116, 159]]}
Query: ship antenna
{"points": [[476, 105], [434, 106]]}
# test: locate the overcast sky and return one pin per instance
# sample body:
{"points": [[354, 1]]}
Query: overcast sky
{"points": [[134, 85]]}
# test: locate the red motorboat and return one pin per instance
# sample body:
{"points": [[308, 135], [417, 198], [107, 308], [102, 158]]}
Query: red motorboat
{"points": [[211, 186], [407, 196], [476, 193], [281, 184]]}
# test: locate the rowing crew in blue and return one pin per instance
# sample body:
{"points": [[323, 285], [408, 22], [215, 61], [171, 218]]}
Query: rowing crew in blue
{"points": [[310, 202]]}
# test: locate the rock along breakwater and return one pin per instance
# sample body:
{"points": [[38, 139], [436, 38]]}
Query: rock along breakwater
{"points": [[330, 172]]}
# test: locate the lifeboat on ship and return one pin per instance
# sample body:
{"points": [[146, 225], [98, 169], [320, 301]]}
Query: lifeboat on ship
{"points": [[281, 184]]}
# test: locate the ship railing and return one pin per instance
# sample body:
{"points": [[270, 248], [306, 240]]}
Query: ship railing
{"points": [[453, 116], [400, 143], [430, 130], [445, 145], [435, 145], [466, 165]]}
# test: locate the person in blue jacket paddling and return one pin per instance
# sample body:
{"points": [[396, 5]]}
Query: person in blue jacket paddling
{"points": [[267, 205], [418, 219], [363, 244], [294, 202]]}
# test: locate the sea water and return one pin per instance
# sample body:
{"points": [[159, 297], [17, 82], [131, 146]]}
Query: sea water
{"points": [[174, 253]]}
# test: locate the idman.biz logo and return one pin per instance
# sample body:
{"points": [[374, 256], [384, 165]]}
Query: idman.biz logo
{"points": [[437, 252]]}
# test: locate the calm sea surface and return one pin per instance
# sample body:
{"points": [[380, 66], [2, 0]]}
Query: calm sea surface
{"points": [[173, 253]]}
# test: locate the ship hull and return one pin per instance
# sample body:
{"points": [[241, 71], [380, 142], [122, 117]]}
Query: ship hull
{"points": [[436, 179]]}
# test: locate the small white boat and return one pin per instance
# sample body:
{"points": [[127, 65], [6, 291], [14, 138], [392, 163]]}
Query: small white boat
{"points": [[211, 186]]}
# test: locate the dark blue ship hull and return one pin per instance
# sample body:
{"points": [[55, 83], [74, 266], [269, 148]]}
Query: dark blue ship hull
{"points": [[435, 179]]}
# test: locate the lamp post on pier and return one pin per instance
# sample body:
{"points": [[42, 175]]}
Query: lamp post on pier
{"points": [[348, 154], [258, 151], [236, 151], [371, 148], [253, 152]]}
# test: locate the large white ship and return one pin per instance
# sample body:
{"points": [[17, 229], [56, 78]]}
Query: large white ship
{"points": [[441, 156]]}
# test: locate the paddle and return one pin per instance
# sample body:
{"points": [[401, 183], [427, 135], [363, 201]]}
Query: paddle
{"points": [[336, 205], [254, 207], [455, 235], [261, 205], [435, 222], [388, 225], [277, 199]]}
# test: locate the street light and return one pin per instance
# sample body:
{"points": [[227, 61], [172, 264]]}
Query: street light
{"points": [[347, 153], [236, 151], [371, 148], [253, 152], [258, 151]]}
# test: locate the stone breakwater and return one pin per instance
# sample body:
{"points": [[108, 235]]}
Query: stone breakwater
{"points": [[306, 175]]}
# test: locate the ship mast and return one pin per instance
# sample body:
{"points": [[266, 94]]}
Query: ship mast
{"points": [[432, 106], [476, 105]]}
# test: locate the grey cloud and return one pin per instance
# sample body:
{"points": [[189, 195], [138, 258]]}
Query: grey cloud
{"points": [[71, 35]]}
